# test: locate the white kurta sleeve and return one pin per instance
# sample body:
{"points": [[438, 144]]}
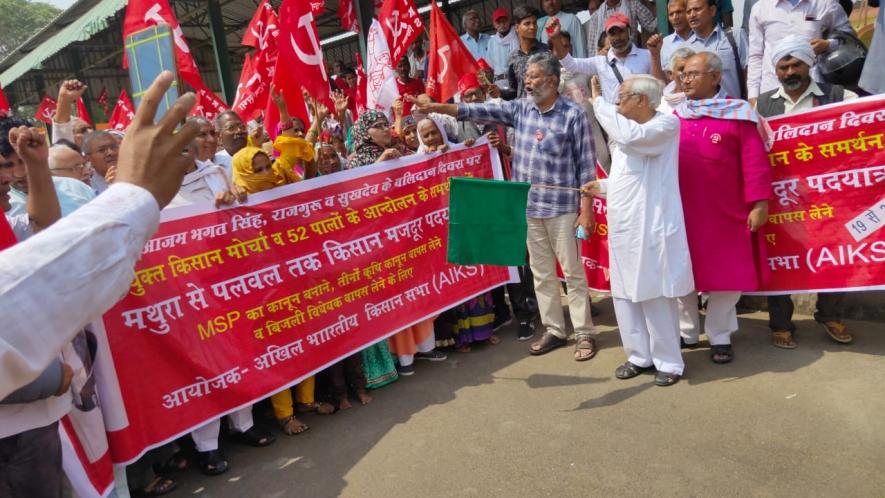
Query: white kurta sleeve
{"points": [[68, 275], [62, 131], [579, 66], [651, 138]]}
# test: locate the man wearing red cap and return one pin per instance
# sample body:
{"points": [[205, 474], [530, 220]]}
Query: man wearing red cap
{"points": [[567, 22], [623, 58], [503, 43], [637, 14]]}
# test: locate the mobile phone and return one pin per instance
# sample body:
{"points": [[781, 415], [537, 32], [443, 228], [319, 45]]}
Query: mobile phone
{"points": [[151, 51]]}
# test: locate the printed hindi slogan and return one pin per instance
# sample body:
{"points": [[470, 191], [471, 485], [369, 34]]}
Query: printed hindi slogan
{"points": [[230, 306], [828, 199]]}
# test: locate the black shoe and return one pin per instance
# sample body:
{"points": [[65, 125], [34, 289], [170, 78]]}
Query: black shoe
{"points": [[629, 370], [688, 345], [433, 355], [405, 371], [594, 311], [212, 463], [254, 437], [526, 331], [665, 379]]}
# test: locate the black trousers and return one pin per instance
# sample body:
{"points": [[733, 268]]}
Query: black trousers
{"points": [[780, 310], [30, 463], [522, 297]]}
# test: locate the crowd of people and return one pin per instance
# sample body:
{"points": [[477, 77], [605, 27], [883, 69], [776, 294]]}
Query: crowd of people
{"points": [[557, 92]]}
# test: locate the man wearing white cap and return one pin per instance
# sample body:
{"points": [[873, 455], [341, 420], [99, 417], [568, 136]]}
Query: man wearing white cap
{"points": [[792, 58]]}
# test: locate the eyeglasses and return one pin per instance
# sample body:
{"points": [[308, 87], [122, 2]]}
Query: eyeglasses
{"points": [[234, 128], [104, 149], [692, 75], [380, 125], [75, 168]]}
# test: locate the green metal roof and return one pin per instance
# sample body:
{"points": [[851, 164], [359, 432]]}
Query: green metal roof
{"points": [[80, 29]]}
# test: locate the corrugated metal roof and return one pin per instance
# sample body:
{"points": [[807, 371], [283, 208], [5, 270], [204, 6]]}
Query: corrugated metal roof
{"points": [[80, 29]]}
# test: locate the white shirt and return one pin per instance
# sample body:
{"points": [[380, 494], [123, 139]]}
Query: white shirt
{"points": [[226, 161], [638, 61], [648, 245], [717, 42], [201, 185], [806, 100], [571, 24], [477, 46], [71, 194], [498, 54], [87, 257], [772, 20]]}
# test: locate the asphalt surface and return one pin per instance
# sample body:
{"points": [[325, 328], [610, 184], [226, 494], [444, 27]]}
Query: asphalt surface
{"points": [[496, 422]]}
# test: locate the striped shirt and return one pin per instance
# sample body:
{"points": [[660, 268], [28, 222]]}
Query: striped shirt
{"points": [[549, 148]]}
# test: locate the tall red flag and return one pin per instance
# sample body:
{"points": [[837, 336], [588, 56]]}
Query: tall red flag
{"points": [[300, 59], [46, 110], [5, 110], [347, 15], [448, 58], [103, 100], [82, 112], [401, 24], [123, 114], [142, 14], [262, 31]]}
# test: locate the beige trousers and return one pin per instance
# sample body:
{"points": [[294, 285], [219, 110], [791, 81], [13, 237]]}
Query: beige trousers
{"points": [[549, 240]]}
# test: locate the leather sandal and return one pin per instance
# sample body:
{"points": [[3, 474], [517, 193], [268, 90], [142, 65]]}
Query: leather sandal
{"points": [[548, 343], [783, 339], [584, 342]]}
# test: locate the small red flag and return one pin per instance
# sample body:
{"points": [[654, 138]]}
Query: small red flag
{"points": [[401, 24], [262, 31], [123, 114], [103, 100], [448, 58], [360, 93], [208, 103], [317, 7], [46, 110], [82, 112], [5, 110], [347, 15]]}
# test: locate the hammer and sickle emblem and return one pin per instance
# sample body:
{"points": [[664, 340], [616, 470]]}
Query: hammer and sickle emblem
{"points": [[153, 14], [316, 58]]}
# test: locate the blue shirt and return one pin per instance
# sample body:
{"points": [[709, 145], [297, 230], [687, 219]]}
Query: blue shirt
{"points": [[478, 48], [550, 148], [717, 42], [670, 44]]}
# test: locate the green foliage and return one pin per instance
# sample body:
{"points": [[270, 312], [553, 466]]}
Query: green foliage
{"points": [[21, 19]]}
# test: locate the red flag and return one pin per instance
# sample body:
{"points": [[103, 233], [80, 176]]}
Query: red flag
{"points": [[46, 110], [300, 54], [103, 99], [82, 112], [4, 104], [208, 103], [448, 58], [401, 24], [317, 7], [141, 14], [360, 94], [347, 14], [263, 29], [123, 114]]}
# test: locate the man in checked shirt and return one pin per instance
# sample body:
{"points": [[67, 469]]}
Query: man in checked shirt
{"points": [[553, 146]]}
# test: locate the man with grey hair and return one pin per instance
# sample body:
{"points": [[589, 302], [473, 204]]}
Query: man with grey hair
{"points": [[477, 43], [673, 94], [102, 150], [648, 247], [719, 145], [553, 151]]}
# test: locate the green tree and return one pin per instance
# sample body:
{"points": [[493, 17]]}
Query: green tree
{"points": [[21, 19]]}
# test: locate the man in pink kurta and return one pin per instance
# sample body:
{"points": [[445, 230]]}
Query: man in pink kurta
{"points": [[725, 182]]}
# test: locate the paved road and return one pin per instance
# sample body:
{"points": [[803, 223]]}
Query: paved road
{"points": [[498, 423]]}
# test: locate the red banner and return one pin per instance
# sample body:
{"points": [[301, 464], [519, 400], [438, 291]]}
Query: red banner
{"points": [[594, 250], [827, 209], [230, 306]]}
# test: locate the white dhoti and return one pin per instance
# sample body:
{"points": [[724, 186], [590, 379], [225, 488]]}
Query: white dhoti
{"points": [[206, 437], [650, 333], [720, 322]]}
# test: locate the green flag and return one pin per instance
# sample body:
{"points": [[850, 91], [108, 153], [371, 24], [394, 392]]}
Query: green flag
{"points": [[487, 222]]}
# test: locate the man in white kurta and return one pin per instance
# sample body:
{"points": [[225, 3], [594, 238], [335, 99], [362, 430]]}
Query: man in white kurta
{"points": [[650, 264]]}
